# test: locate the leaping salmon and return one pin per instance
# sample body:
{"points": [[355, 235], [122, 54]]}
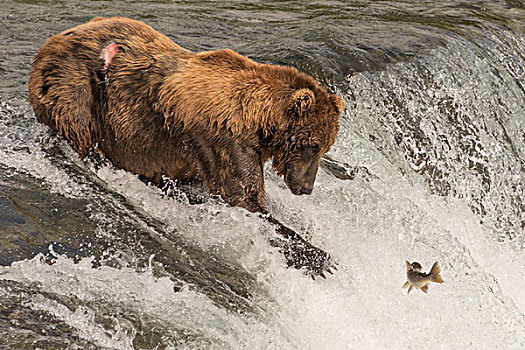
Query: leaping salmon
{"points": [[419, 279]]}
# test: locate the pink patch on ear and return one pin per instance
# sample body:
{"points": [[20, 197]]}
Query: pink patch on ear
{"points": [[108, 53]]}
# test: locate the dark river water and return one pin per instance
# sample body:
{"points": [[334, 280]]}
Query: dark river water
{"points": [[429, 165]]}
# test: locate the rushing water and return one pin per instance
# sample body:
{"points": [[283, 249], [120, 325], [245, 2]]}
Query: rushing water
{"points": [[429, 165]]}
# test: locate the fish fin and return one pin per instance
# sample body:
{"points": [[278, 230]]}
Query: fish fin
{"points": [[409, 289], [435, 273], [424, 288], [406, 284], [408, 264]]}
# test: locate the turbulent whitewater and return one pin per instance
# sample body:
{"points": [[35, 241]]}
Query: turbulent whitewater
{"points": [[429, 166]]}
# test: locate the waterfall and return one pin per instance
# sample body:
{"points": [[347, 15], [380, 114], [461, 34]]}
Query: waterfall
{"points": [[429, 165]]}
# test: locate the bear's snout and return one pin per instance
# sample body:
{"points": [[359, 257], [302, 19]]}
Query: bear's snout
{"points": [[306, 190], [300, 178]]}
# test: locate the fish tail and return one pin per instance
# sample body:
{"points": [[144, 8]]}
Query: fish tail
{"points": [[435, 273], [406, 284]]}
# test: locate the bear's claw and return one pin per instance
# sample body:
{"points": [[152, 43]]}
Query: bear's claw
{"points": [[300, 254], [327, 266]]}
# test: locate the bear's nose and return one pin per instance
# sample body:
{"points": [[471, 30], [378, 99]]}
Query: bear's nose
{"points": [[305, 190]]}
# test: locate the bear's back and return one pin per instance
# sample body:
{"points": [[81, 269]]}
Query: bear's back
{"points": [[124, 31], [68, 72]]}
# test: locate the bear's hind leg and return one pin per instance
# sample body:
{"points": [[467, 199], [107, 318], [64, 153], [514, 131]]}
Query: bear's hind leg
{"points": [[72, 117], [63, 88]]}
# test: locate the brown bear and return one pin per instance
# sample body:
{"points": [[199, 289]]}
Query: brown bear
{"points": [[117, 86]]}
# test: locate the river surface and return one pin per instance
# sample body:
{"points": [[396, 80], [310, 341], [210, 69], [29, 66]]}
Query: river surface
{"points": [[429, 166]]}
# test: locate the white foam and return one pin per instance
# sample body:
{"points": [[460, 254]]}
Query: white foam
{"points": [[21, 148], [127, 292]]}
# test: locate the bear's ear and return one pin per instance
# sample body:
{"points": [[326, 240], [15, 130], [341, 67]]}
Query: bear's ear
{"points": [[338, 103], [302, 101]]}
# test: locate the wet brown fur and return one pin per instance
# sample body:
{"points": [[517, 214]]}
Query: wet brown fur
{"points": [[159, 109]]}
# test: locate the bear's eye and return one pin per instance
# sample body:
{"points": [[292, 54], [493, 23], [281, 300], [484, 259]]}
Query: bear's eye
{"points": [[312, 148]]}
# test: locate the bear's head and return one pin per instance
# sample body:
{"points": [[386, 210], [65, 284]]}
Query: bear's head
{"points": [[307, 131]]}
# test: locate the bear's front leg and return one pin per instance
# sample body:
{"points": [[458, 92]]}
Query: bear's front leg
{"points": [[300, 253], [238, 177], [235, 173]]}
